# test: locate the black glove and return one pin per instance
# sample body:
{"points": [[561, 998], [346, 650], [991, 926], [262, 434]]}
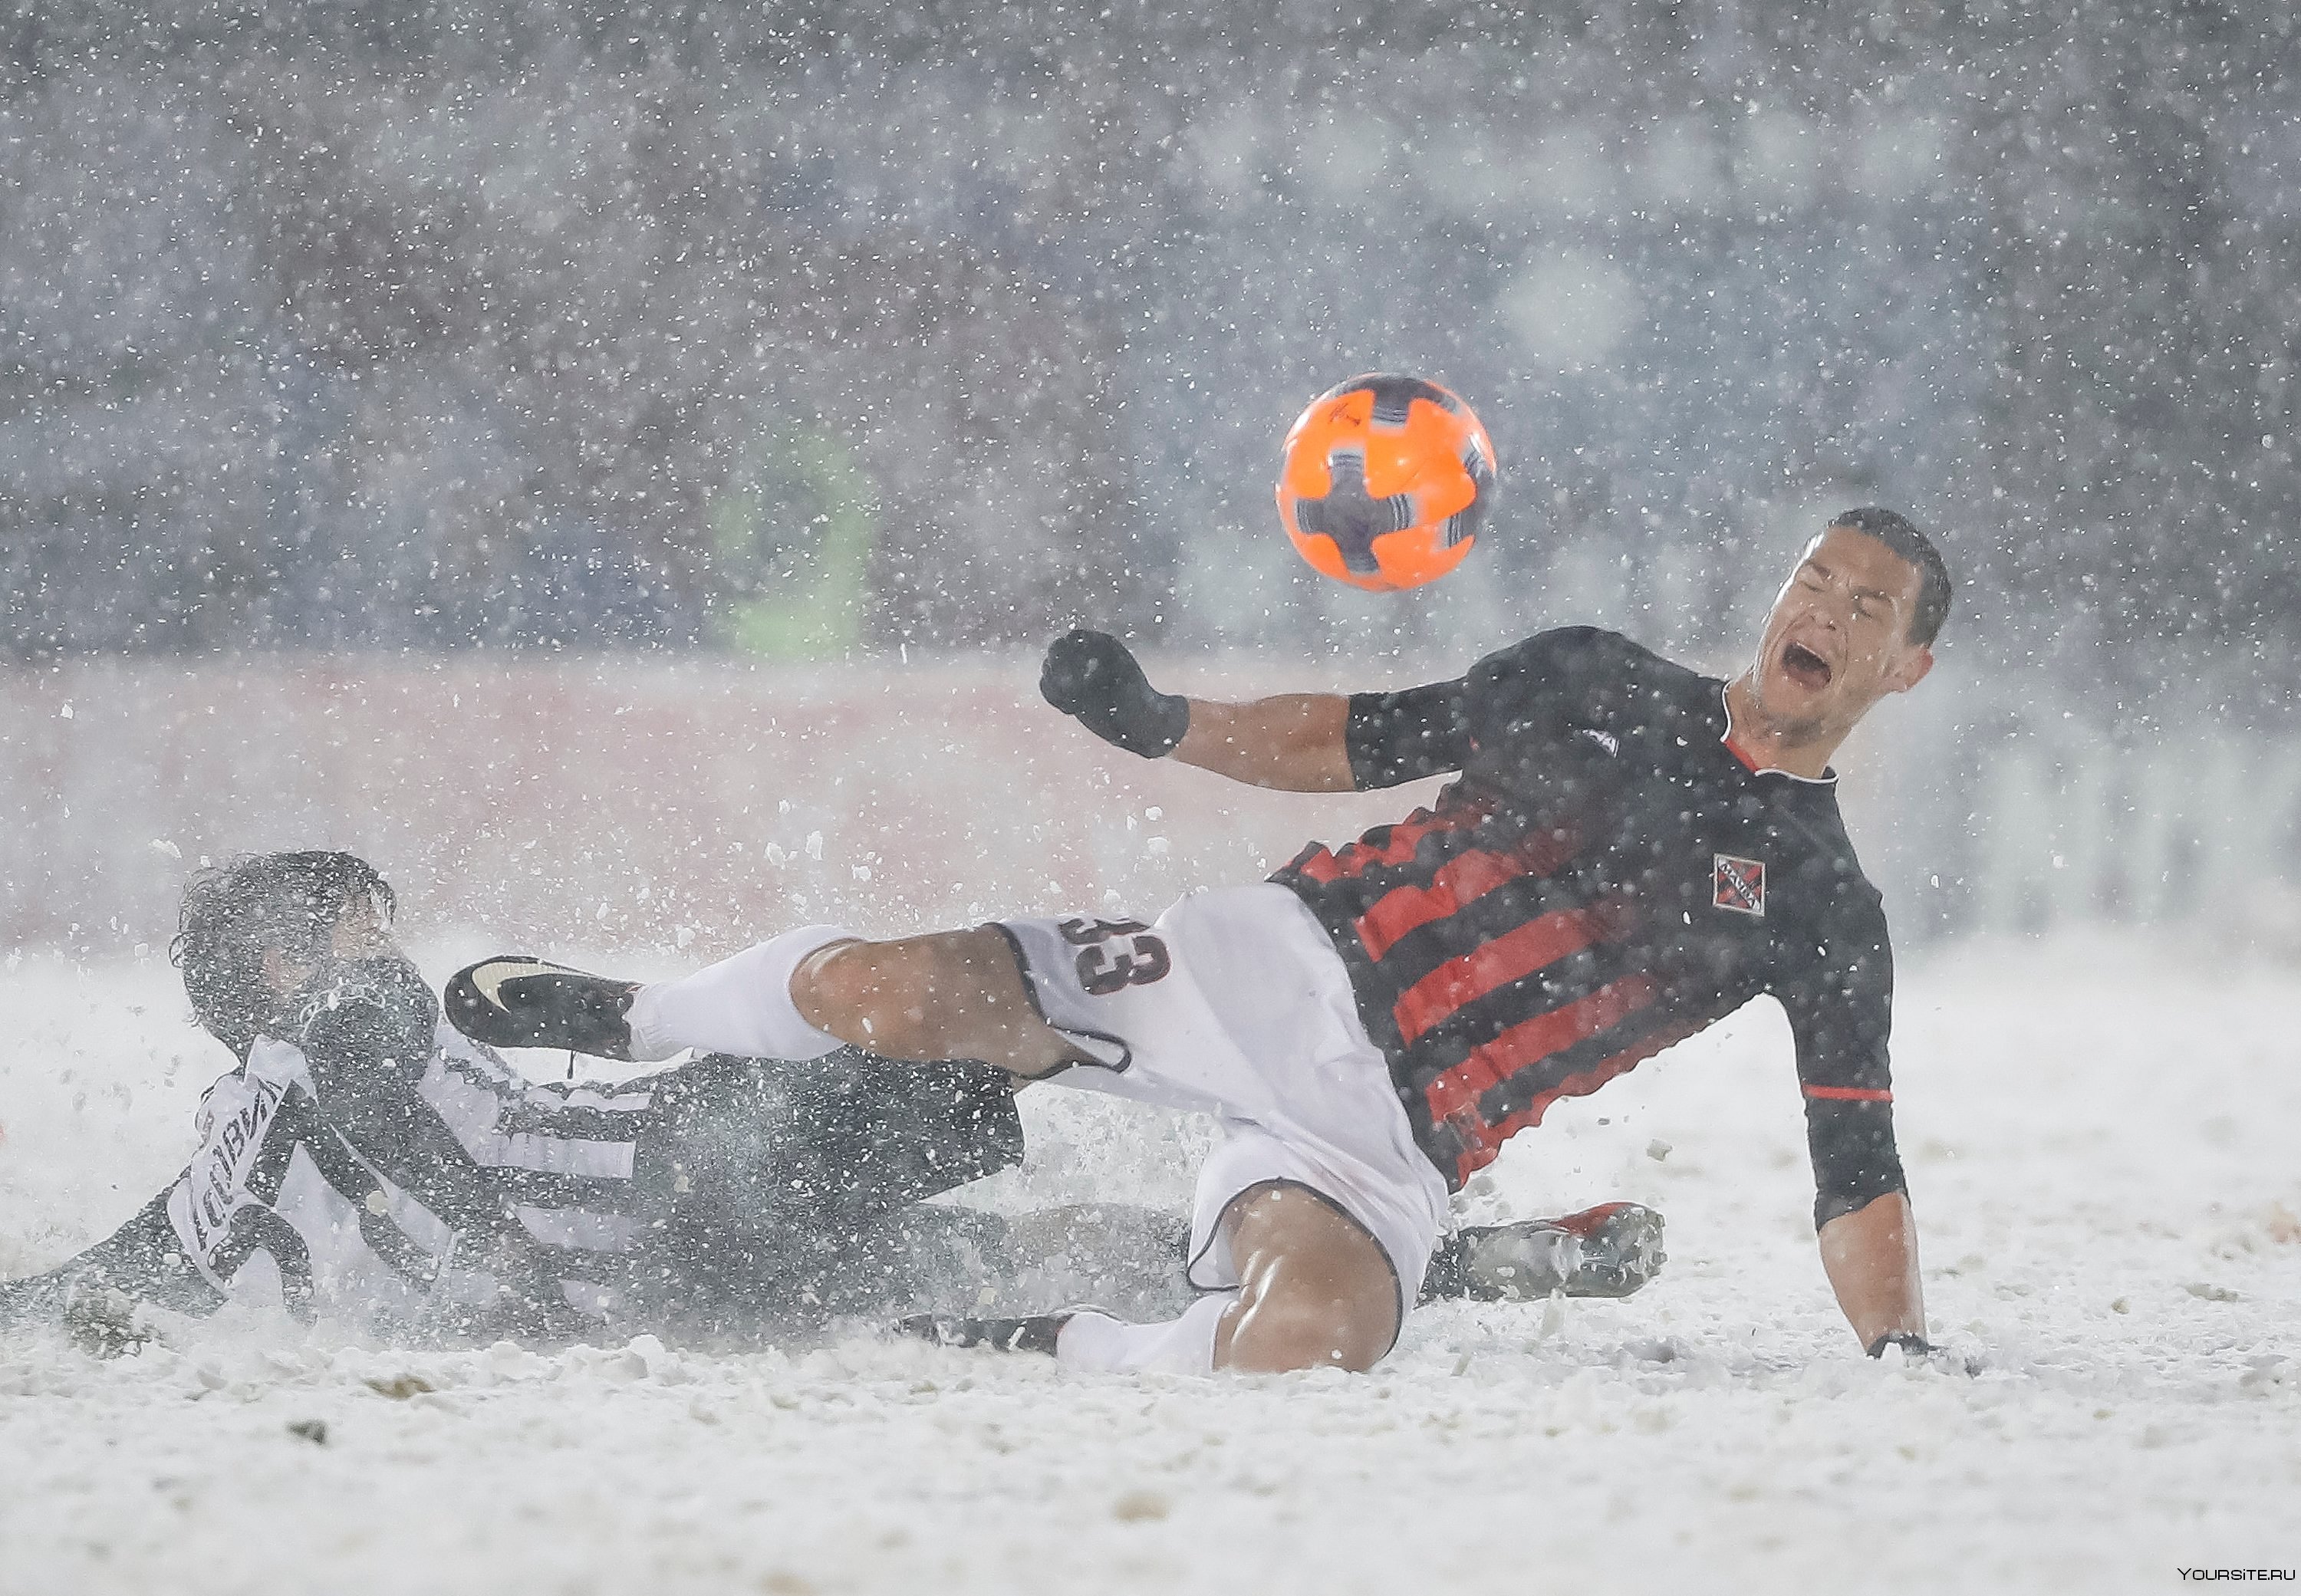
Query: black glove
{"points": [[364, 1016], [1090, 675], [1912, 1344]]}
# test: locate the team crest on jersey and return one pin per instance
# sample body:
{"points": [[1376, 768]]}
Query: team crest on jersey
{"points": [[1738, 884]]}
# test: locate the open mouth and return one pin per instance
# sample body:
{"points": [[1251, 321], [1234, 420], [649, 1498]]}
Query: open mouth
{"points": [[1804, 666]]}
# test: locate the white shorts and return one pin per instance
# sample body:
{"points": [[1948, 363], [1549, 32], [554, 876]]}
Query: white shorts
{"points": [[1235, 1004]]}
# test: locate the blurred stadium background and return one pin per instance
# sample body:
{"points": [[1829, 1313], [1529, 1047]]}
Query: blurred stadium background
{"points": [[651, 429]]}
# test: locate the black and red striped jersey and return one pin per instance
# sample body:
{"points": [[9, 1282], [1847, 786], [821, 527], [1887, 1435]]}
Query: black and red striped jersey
{"points": [[1607, 877]]}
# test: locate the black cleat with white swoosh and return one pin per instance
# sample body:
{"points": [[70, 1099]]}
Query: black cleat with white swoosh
{"points": [[516, 1001]]}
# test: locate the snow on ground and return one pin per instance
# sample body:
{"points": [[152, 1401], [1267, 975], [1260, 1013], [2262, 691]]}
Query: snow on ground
{"points": [[2102, 1145]]}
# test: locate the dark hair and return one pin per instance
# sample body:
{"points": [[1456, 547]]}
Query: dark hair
{"points": [[1897, 532], [232, 912]]}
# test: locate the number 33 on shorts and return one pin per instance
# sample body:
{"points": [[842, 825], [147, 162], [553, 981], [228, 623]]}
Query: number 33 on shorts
{"points": [[1115, 954]]}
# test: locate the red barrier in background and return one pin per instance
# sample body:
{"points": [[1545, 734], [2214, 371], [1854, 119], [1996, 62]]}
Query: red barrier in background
{"points": [[611, 802]]}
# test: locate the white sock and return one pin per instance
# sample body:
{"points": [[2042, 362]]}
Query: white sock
{"points": [[741, 1005], [1184, 1346]]}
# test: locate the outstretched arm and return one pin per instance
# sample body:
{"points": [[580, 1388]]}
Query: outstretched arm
{"points": [[1871, 1257], [1295, 742], [1840, 1003], [141, 1257]]}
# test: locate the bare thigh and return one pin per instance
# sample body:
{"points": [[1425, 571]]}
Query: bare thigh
{"points": [[1315, 1289], [953, 994]]}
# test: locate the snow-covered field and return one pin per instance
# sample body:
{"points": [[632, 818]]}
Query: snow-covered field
{"points": [[2102, 1139]]}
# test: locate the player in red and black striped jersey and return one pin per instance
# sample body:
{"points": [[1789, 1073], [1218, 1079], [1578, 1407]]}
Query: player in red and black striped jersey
{"points": [[1611, 875], [1630, 852]]}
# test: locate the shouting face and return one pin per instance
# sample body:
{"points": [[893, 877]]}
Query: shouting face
{"points": [[1838, 640]]}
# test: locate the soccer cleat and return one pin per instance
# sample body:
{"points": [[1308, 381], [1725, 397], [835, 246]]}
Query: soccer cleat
{"points": [[1610, 1251], [1034, 1332], [514, 1001]]}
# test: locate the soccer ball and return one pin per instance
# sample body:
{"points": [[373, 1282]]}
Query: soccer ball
{"points": [[1385, 481]]}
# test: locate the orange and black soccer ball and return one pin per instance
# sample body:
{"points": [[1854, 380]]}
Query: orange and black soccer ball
{"points": [[1385, 481]]}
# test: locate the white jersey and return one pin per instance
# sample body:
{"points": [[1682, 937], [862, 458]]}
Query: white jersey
{"points": [[496, 1190]]}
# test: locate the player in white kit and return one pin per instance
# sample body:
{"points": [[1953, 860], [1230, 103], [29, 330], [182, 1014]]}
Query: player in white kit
{"points": [[1631, 851], [366, 1165]]}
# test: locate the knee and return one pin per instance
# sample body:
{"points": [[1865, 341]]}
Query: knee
{"points": [[883, 996], [1280, 1333], [849, 991]]}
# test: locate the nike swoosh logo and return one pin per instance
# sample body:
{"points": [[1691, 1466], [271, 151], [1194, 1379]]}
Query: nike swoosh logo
{"points": [[489, 978]]}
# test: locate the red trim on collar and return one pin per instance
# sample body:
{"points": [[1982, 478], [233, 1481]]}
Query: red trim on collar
{"points": [[1828, 777]]}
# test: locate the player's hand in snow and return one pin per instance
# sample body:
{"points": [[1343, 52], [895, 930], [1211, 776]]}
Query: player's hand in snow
{"points": [[102, 1320], [1091, 676], [1906, 1348], [1913, 1345], [19, 1301]]}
